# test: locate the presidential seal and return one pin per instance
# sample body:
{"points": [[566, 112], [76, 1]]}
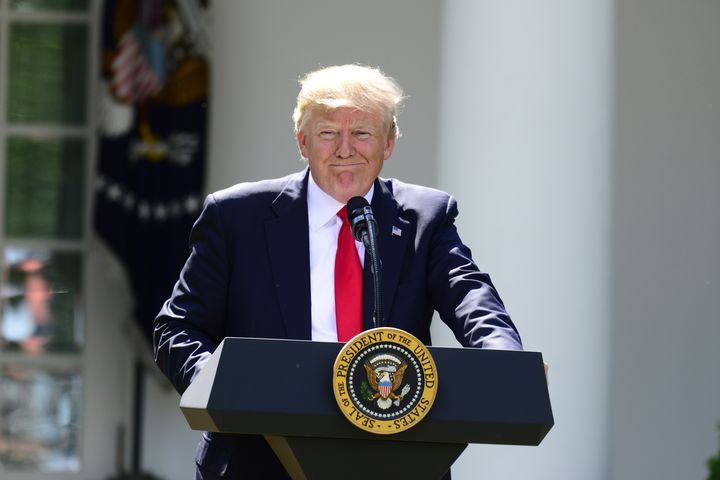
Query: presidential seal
{"points": [[384, 380]]}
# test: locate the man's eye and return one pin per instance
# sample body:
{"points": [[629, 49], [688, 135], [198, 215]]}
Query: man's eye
{"points": [[362, 135], [327, 134]]}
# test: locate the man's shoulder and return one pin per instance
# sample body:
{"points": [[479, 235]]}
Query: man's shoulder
{"points": [[411, 196], [398, 187], [259, 191]]}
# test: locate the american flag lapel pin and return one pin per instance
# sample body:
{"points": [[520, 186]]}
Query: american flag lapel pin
{"points": [[396, 231]]}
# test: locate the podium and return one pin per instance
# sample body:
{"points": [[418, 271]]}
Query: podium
{"points": [[283, 389]]}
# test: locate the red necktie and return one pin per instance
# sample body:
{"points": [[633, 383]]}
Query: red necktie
{"points": [[348, 283]]}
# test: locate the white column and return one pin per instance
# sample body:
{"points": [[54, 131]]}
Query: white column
{"points": [[525, 145]]}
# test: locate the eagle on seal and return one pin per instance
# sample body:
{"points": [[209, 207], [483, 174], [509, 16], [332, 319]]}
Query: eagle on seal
{"points": [[385, 379]]}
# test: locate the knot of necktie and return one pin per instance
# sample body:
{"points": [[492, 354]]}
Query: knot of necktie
{"points": [[342, 213]]}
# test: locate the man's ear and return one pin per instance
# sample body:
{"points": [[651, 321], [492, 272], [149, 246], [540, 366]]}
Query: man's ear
{"points": [[389, 146], [301, 141]]}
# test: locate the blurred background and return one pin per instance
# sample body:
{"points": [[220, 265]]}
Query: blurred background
{"points": [[580, 137]]}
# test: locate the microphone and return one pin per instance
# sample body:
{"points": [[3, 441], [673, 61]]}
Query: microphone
{"points": [[361, 219], [364, 229]]}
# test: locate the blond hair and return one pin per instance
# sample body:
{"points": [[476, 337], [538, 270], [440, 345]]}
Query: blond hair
{"points": [[363, 88]]}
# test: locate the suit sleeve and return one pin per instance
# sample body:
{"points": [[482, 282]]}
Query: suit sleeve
{"points": [[464, 296], [191, 323]]}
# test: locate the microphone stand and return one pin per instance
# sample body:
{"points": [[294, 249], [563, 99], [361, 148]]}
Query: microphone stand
{"points": [[370, 241], [364, 228]]}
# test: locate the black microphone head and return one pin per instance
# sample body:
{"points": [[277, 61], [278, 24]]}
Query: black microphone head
{"points": [[357, 208], [356, 203]]}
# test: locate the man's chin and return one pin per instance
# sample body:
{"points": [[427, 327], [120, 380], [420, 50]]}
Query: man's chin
{"points": [[346, 188], [343, 195]]}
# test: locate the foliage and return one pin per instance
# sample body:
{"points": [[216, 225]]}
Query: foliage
{"points": [[365, 391], [714, 464]]}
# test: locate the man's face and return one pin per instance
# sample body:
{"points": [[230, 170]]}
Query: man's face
{"points": [[346, 149]]}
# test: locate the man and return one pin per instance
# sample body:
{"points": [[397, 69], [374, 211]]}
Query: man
{"points": [[263, 255]]}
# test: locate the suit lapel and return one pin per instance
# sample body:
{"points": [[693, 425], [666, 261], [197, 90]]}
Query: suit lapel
{"points": [[288, 245], [393, 234]]}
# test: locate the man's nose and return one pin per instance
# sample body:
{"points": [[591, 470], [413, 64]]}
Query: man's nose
{"points": [[344, 148]]}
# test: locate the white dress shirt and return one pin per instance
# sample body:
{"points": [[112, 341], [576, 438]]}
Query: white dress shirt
{"points": [[323, 228]]}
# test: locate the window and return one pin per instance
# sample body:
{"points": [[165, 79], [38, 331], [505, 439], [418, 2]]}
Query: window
{"points": [[45, 150]]}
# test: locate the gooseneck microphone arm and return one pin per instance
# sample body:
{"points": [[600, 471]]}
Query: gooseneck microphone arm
{"points": [[371, 245], [364, 228]]}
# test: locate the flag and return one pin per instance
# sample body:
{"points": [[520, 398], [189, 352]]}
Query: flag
{"points": [[152, 144]]}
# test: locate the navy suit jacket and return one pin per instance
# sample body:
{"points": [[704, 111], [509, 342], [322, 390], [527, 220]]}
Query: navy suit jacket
{"points": [[248, 275]]}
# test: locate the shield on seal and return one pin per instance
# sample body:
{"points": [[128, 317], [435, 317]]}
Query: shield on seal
{"points": [[385, 387]]}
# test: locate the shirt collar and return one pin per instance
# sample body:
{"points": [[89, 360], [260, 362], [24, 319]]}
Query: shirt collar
{"points": [[322, 208]]}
